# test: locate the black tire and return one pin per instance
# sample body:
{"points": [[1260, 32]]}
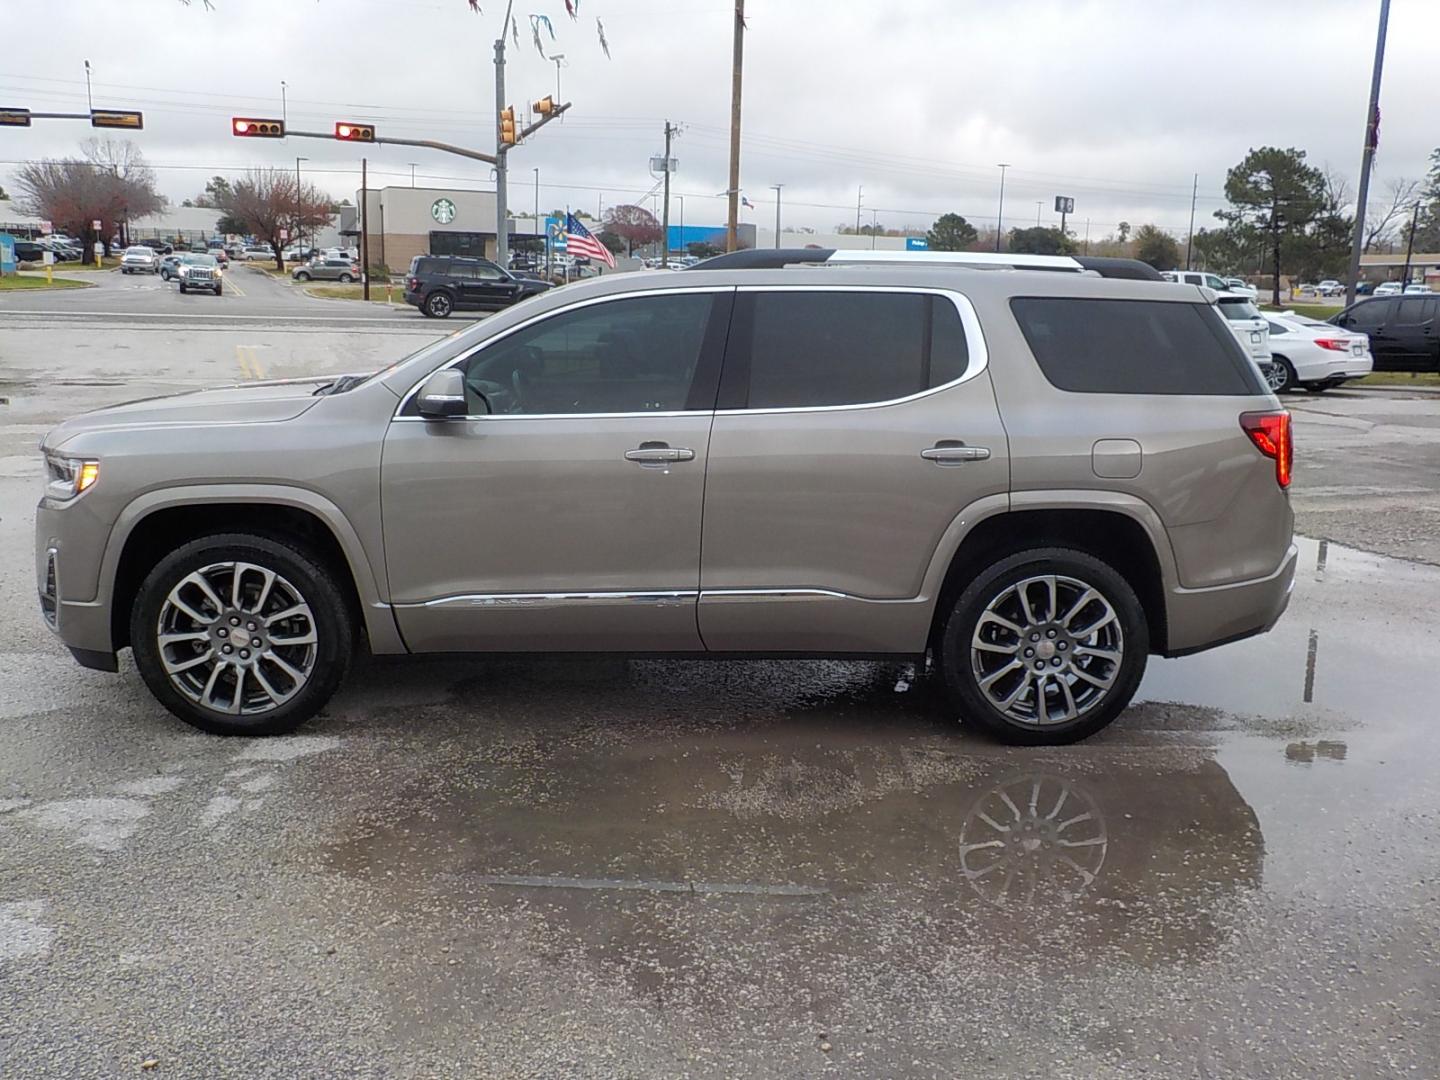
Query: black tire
{"points": [[182, 287], [439, 304], [346, 278], [301, 275], [217, 290], [1291, 382], [332, 625], [962, 682]]}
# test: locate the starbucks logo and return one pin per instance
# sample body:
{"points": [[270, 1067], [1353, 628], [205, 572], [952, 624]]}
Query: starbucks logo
{"points": [[443, 211]]}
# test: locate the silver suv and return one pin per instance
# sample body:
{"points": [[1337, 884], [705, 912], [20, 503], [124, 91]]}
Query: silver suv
{"points": [[1037, 479]]}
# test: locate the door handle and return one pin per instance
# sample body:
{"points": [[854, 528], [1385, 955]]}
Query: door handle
{"points": [[955, 453], [658, 454]]}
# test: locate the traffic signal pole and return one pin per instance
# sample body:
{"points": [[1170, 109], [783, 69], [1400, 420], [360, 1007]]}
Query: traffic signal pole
{"points": [[429, 144], [502, 214]]}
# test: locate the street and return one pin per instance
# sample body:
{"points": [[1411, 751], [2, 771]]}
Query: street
{"points": [[520, 868]]}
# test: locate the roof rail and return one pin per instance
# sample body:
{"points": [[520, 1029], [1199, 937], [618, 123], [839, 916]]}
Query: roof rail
{"points": [[780, 258]]}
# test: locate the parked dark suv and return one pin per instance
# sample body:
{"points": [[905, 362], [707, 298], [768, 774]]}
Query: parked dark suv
{"points": [[1402, 330], [438, 284]]}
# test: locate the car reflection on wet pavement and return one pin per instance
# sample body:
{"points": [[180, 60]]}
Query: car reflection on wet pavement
{"points": [[653, 868]]}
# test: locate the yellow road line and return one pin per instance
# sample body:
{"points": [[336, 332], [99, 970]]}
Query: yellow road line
{"points": [[229, 283], [248, 360]]}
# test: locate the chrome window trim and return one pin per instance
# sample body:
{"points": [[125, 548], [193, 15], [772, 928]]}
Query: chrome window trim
{"points": [[608, 298], [969, 321]]}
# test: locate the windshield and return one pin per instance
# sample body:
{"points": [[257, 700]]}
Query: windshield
{"points": [[199, 260], [138, 251], [1238, 310]]}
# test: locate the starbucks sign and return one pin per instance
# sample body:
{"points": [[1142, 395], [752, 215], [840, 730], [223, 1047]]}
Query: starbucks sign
{"points": [[443, 211]]}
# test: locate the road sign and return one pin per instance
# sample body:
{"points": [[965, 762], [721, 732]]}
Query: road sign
{"points": [[46, 227], [95, 224], [1064, 204], [555, 234], [917, 243], [663, 164], [114, 118], [284, 234]]}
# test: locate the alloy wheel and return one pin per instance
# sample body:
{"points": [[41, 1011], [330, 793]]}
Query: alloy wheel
{"points": [[237, 638], [1047, 650]]}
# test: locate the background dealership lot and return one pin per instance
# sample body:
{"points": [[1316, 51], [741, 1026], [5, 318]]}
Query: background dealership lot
{"points": [[665, 868]]}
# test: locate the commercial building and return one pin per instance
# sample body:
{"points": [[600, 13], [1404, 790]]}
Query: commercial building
{"points": [[403, 222]]}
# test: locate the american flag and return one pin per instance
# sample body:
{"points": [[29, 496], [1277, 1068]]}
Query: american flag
{"points": [[579, 241]]}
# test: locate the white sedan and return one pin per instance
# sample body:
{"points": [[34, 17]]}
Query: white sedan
{"points": [[1316, 356], [1389, 288]]}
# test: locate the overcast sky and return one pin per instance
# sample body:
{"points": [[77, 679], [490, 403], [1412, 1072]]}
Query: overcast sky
{"points": [[1117, 103]]}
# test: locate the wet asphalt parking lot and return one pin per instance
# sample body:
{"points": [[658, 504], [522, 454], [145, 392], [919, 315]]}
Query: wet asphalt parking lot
{"points": [[668, 869]]}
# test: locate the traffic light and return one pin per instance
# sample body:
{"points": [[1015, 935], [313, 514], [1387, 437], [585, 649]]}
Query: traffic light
{"points": [[545, 106], [507, 126], [349, 132], [251, 128], [112, 118], [14, 117]]}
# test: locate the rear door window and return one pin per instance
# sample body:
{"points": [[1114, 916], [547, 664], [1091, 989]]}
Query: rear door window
{"points": [[1414, 311], [810, 349], [1096, 346]]}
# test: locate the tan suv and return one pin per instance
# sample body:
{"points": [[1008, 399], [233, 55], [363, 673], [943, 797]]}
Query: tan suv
{"points": [[1036, 478]]}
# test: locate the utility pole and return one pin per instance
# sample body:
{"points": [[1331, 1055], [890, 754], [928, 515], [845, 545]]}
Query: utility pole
{"points": [[537, 203], [502, 239], [88, 99], [1190, 238], [732, 237], [1087, 237], [859, 197], [1372, 139], [297, 197], [777, 188], [665, 214], [1000, 211], [1410, 244], [1039, 205], [284, 109], [365, 227]]}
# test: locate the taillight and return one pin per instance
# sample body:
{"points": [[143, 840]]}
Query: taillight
{"points": [[413, 284], [1335, 344], [1271, 434]]}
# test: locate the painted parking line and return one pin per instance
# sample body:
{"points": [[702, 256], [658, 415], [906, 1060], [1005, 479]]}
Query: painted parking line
{"points": [[707, 888]]}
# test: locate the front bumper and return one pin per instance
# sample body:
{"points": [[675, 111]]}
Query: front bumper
{"points": [[69, 544], [1199, 619]]}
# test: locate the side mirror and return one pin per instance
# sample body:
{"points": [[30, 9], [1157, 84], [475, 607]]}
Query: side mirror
{"points": [[442, 395]]}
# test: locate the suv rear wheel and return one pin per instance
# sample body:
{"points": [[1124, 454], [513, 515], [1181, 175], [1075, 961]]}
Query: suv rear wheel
{"points": [[439, 304], [1046, 646], [241, 635]]}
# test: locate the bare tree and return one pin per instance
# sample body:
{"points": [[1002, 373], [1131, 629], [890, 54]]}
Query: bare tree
{"points": [[112, 185], [268, 202], [1387, 214]]}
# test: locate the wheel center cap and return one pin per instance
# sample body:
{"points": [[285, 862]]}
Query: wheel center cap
{"points": [[1045, 650]]}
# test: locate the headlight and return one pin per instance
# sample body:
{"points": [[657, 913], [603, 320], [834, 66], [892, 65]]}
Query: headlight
{"points": [[68, 477]]}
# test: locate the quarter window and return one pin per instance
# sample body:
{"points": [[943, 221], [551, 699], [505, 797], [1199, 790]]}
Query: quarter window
{"points": [[622, 356], [803, 349], [1133, 347]]}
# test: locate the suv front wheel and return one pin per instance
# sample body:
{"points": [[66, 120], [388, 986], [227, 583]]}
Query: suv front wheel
{"points": [[241, 635], [1044, 647]]}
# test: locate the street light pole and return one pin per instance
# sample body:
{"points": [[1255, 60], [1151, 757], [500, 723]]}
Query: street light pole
{"points": [[88, 99], [777, 188], [284, 108], [1000, 210], [1367, 158], [537, 201]]}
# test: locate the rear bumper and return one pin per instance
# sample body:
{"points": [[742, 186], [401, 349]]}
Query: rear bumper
{"points": [[1199, 619]]}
